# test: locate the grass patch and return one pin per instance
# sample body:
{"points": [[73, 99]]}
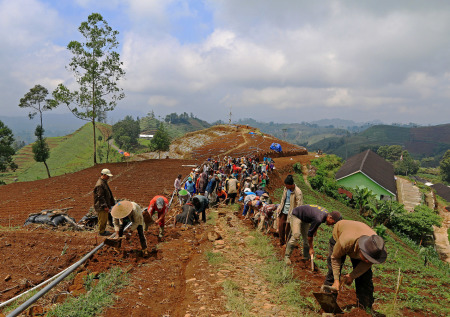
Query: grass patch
{"points": [[10, 228], [19, 301], [214, 258], [97, 298], [211, 218], [280, 276], [235, 299]]}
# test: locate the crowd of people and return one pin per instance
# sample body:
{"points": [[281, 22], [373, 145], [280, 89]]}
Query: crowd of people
{"points": [[244, 180]]}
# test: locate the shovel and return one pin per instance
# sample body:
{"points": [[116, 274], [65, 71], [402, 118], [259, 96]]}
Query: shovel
{"points": [[312, 262], [115, 243], [328, 302]]}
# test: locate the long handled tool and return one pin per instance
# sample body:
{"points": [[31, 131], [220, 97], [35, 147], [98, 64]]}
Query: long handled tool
{"points": [[312, 262]]}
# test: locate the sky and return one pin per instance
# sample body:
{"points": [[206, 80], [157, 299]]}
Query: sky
{"points": [[282, 61]]}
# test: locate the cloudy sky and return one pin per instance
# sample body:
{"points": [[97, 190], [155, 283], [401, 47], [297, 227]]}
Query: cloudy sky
{"points": [[282, 61]]}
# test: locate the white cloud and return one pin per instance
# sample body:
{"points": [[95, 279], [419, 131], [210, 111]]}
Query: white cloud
{"points": [[164, 101]]}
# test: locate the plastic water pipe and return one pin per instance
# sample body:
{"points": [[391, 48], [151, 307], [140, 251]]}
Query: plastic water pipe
{"points": [[62, 276]]}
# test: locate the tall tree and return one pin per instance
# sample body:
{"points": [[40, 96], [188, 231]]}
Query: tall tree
{"points": [[161, 140], [97, 69], [40, 148], [6, 149], [36, 99]]}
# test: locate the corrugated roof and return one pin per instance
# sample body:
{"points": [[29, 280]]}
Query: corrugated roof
{"points": [[373, 166], [442, 190]]}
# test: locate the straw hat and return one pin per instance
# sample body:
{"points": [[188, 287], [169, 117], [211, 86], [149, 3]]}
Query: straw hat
{"points": [[122, 209]]}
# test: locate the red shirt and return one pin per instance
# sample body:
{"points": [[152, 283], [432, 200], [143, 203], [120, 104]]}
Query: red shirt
{"points": [[152, 206]]}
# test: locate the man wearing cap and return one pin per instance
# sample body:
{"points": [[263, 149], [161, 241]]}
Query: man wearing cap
{"points": [[103, 200], [306, 219], [160, 205], [190, 186], [292, 197], [132, 211], [184, 196], [364, 247]]}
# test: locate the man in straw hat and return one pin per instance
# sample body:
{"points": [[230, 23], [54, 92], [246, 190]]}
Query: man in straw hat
{"points": [[103, 200], [306, 219], [160, 205], [365, 248], [132, 211]]}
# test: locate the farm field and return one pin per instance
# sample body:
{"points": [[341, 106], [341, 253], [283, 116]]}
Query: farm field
{"points": [[187, 274]]}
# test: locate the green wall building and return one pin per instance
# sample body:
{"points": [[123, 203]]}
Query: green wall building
{"points": [[368, 169]]}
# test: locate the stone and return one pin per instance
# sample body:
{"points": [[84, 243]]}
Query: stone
{"points": [[213, 236], [7, 278], [191, 280]]}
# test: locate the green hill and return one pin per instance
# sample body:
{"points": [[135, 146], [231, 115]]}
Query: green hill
{"points": [[177, 127], [420, 142], [68, 154]]}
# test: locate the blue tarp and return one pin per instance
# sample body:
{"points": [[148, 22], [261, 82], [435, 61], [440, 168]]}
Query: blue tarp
{"points": [[251, 133], [276, 147]]}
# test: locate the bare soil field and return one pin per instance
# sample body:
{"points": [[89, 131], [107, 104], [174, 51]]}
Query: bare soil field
{"points": [[176, 279]]}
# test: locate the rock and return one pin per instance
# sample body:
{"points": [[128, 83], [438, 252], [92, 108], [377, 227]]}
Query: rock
{"points": [[219, 242], [213, 236], [191, 280], [7, 278]]}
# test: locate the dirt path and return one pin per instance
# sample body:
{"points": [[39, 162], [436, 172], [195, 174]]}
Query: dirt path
{"points": [[441, 236], [408, 194]]}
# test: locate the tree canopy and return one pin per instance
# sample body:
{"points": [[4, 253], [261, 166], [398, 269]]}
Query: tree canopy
{"points": [[126, 133], [97, 69], [6, 149], [36, 99], [444, 166], [161, 140]]}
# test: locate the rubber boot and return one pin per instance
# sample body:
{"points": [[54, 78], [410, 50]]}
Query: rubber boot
{"points": [[306, 255], [287, 254], [161, 233]]}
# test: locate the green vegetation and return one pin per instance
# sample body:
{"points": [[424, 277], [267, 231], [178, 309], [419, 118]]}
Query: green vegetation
{"points": [[68, 154], [424, 274], [175, 125], [6, 150], [160, 141], [211, 218], [409, 138], [235, 299], [445, 166], [126, 133], [97, 297], [214, 258], [280, 276]]}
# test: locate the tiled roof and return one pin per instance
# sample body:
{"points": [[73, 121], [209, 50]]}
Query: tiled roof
{"points": [[373, 166], [442, 190]]}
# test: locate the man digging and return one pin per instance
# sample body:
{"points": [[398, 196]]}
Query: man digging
{"points": [[130, 210], [365, 248], [306, 219]]}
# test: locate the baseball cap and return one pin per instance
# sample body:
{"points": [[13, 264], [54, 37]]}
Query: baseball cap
{"points": [[106, 171]]}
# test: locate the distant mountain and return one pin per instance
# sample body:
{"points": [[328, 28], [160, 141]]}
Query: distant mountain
{"points": [[54, 125], [420, 142]]}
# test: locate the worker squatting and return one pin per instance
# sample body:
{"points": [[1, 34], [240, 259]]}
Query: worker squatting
{"points": [[244, 179]]}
